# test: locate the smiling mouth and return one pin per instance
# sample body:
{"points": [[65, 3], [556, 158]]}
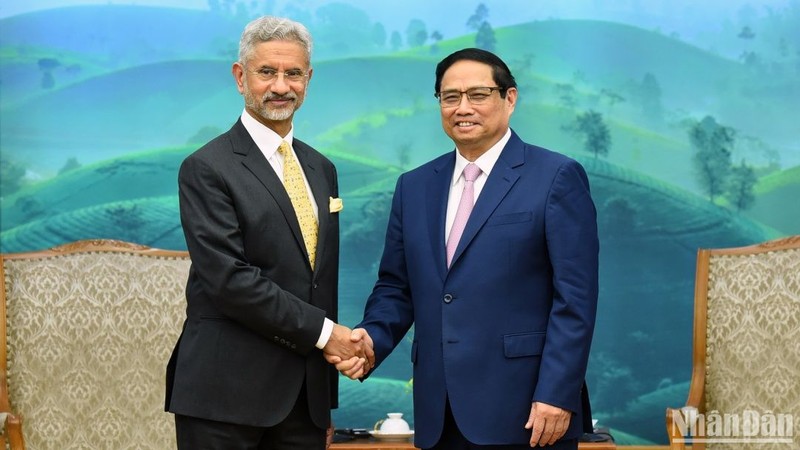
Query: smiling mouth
{"points": [[465, 124], [280, 100]]}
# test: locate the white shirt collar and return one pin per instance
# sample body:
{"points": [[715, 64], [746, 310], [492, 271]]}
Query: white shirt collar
{"points": [[486, 161], [267, 140]]}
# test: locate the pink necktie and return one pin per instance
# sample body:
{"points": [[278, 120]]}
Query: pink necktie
{"points": [[471, 172]]}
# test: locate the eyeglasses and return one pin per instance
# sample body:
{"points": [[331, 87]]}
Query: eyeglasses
{"points": [[476, 96], [269, 75]]}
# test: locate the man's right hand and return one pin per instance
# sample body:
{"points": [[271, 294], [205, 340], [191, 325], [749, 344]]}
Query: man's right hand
{"points": [[353, 358]]}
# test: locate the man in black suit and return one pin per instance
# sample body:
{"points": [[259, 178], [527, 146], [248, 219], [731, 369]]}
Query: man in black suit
{"points": [[259, 211]]}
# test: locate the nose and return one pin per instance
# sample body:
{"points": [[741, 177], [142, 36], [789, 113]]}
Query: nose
{"points": [[464, 105], [280, 86]]}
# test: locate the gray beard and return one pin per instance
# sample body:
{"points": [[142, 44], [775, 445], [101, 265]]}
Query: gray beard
{"points": [[259, 106]]}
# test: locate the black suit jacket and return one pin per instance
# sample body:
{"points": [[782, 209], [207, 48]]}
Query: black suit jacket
{"points": [[255, 308]]}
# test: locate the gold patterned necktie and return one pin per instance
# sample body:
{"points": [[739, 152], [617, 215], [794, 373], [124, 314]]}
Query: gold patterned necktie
{"points": [[296, 188]]}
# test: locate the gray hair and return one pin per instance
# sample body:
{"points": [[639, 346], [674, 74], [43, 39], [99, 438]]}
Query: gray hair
{"points": [[269, 28]]}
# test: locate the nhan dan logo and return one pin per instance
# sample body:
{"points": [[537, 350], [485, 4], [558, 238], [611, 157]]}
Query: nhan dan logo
{"points": [[745, 427]]}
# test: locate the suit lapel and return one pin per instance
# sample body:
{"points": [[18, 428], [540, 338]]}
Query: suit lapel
{"points": [[255, 162], [498, 184], [438, 190]]}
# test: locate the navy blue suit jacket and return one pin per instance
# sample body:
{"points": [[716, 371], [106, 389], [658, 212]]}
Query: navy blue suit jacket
{"points": [[511, 321]]}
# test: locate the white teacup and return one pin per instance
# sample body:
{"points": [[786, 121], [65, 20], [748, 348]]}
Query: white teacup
{"points": [[394, 424]]}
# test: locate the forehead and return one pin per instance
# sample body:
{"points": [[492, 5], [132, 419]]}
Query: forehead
{"points": [[465, 74], [289, 54]]}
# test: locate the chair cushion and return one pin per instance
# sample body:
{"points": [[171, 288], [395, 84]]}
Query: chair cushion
{"points": [[753, 335], [89, 335]]}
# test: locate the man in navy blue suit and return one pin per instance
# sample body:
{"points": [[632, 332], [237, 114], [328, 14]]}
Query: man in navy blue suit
{"points": [[492, 253]]}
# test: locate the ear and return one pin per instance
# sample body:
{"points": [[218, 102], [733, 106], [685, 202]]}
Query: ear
{"points": [[238, 75], [310, 72], [511, 98]]}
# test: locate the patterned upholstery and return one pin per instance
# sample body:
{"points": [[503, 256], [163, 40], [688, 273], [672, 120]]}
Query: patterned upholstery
{"points": [[747, 318], [89, 328]]}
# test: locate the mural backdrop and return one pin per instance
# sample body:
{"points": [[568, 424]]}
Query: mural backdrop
{"points": [[685, 115]]}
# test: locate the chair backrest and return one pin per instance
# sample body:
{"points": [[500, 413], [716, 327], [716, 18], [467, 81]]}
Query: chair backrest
{"points": [[86, 330], [747, 337]]}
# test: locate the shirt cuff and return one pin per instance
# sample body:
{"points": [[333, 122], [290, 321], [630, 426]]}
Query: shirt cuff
{"points": [[325, 334]]}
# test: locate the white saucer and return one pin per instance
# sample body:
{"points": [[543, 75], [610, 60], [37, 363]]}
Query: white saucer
{"points": [[391, 437]]}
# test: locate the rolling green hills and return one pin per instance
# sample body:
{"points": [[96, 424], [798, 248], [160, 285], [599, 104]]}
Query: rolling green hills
{"points": [[98, 200], [164, 103]]}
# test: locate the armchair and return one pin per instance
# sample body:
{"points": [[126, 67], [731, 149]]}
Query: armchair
{"points": [[745, 387], [86, 330]]}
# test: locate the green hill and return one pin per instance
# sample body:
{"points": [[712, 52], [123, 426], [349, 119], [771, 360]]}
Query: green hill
{"points": [[130, 177], [775, 195], [94, 201]]}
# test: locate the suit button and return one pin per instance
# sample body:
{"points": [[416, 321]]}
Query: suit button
{"points": [[316, 285], [276, 338], [448, 298]]}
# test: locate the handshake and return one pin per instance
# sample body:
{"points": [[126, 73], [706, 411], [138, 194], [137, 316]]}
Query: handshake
{"points": [[351, 351]]}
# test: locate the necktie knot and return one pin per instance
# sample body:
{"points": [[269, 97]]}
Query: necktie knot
{"points": [[471, 172], [283, 149]]}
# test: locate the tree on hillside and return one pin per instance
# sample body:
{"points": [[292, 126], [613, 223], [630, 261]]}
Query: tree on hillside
{"points": [[594, 131], [47, 65], [485, 37], [378, 35], [566, 95], [523, 71], [712, 160], [396, 41], [478, 17], [611, 97], [12, 175], [746, 33], [416, 33], [436, 37], [342, 29], [741, 186], [404, 155], [650, 98], [71, 164], [478, 21]]}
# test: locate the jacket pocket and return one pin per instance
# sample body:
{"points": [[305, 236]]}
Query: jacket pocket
{"points": [[503, 219], [523, 344]]}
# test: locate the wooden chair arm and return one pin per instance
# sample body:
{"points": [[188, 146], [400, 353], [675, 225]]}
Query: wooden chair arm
{"points": [[12, 431], [672, 430], [681, 422]]}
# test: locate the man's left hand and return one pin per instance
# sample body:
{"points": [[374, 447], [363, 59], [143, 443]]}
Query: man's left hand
{"points": [[549, 423], [329, 436]]}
